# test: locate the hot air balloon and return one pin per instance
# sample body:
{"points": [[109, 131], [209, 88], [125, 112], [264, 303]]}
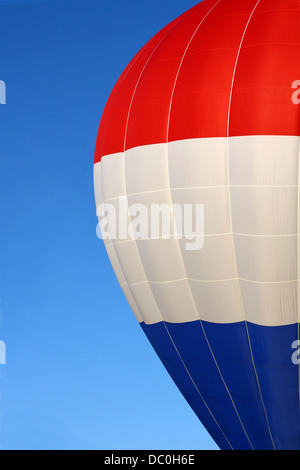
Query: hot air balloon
{"points": [[208, 113]]}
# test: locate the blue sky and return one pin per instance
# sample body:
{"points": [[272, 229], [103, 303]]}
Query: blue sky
{"points": [[80, 373]]}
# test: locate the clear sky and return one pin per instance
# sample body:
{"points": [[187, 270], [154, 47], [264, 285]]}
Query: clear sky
{"points": [[80, 373]]}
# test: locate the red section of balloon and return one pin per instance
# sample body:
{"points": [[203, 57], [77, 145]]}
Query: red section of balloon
{"points": [[209, 81]]}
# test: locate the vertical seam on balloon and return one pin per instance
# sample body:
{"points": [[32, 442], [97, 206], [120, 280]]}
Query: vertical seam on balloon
{"points": [[138, 81], [230, 214], [180, 251], [148, 44], [192, 380], [156, 346], [180, 65], [125, 136]]}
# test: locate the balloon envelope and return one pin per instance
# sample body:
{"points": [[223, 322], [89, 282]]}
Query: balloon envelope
{"points": [[208, 114]]}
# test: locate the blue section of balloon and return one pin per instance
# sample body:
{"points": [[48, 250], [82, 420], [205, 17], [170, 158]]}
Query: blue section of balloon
{"points": [[237, 377]]}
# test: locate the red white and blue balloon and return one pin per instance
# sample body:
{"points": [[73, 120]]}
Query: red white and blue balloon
{"points": [[208, 112]]}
